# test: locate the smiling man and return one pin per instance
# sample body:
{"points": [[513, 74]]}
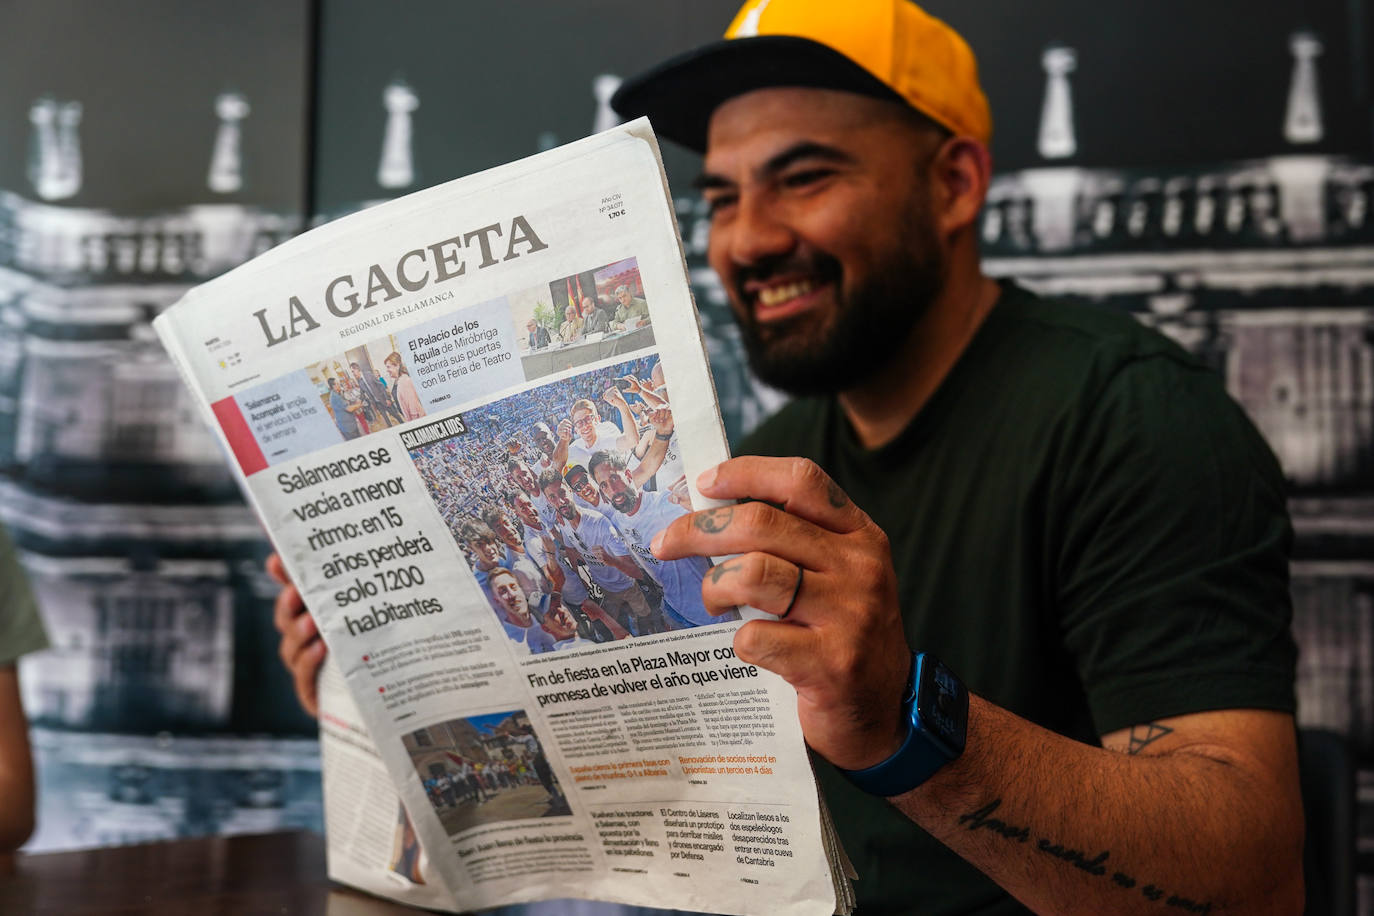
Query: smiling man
{"points": [[1063, 506]]}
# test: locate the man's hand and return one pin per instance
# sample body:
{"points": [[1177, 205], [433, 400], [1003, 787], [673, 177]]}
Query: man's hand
{"points": [[661, 419], [301, 649], [554, 571], [822, 564], [615, 398], [679, 494], [16, 770], [565, 431]]}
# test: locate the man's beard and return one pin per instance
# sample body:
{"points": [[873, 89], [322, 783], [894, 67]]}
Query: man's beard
{"points": [[825, 354]]}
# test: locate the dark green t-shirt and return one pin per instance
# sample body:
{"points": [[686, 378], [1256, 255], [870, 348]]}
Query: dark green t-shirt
{"points": [[1086, 528]]}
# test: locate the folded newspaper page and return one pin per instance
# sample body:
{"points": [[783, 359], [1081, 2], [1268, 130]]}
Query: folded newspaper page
{"points": [[462, 416]]}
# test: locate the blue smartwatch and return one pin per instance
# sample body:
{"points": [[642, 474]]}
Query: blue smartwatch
{"points": [[935, 709]]}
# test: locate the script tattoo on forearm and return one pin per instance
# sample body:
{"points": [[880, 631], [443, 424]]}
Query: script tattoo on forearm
{"points": [[1095, 865], [713, 521], [1145, 735]]}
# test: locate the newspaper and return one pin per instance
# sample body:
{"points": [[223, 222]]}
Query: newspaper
{"points": [[462, 416]]}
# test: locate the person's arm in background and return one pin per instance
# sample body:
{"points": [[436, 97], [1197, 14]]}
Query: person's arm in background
{"points": [[16, 769], [656, 436], [559, 458], [629, 430], [21, 632], [623, 562], [645, 391]]}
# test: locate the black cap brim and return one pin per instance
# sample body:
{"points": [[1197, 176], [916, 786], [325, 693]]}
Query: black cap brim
{"points": [[680, 94]]}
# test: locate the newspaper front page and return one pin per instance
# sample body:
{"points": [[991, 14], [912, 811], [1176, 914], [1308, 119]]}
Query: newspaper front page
{"points": [[462, 416]]}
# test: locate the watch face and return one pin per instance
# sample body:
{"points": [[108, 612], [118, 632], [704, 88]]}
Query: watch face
{"points": [[942, 707]]}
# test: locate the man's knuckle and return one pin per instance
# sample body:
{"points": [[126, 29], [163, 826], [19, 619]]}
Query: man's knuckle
{"points": [[748, 640], [776, 573], [867, 567], [848, 662], [807, 473], [879, 539], [754, 571], [756, 515]]}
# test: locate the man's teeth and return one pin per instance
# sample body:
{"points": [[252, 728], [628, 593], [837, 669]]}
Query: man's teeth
{"points": [[776, 295]]}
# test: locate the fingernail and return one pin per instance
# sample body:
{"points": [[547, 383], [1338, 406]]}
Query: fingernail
{"points": [[706, 480]]}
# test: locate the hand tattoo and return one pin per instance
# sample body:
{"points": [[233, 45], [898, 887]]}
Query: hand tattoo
{"points": [[719, 572], [713, 521], [838, 499]]}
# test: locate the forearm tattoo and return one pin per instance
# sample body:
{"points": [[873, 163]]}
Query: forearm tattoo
{"points": [[1085, 860], [1144, 735]]}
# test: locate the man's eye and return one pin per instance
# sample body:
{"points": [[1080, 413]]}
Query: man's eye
{"points": [[717, 202], [805, 177]]}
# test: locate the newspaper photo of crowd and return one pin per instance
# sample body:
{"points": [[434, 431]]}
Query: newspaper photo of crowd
{"points": [[554, 495], [367, 388], [483, 769]]}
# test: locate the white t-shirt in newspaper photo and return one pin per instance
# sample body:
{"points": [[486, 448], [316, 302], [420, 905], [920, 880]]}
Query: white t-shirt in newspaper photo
{"points": [[574, 592], [680, 579], [595, 530], [607, 439]]}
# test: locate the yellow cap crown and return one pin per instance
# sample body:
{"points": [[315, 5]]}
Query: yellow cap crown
{"points": [[920, 57]]}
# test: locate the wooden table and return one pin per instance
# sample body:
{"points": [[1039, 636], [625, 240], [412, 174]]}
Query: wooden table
{"points": [[274, 873]]}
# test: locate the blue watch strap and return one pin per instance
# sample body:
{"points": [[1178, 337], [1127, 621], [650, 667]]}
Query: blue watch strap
{"points": [[921, 754]]}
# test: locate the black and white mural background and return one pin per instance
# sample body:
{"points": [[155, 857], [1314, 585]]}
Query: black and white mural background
{"points": [[1208, 167], [144, 147]]}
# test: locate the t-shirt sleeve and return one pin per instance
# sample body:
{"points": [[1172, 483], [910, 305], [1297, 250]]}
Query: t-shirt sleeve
{"points": [[21, 628], [1171, 573]]}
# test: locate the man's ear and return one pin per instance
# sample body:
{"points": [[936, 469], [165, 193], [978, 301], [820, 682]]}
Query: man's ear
{"points": [[960, 172]]}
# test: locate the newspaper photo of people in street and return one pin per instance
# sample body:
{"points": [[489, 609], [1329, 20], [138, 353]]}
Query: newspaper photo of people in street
{"points": [[581, 319], [484, 769], [554, 496], [366, 388]]}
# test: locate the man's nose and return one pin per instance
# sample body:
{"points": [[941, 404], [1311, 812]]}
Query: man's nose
{"points": [[758, 231]]}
